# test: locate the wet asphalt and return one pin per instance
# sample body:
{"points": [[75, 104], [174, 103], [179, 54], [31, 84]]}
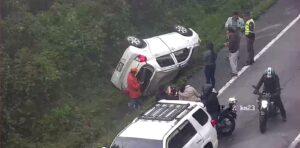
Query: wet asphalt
{"points": [[284, 56]]}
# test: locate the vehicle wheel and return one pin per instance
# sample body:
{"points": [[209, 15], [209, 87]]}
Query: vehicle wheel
{"points": [[226, 125], [208, 145], [182, 30], [136, 42], [262, 123]]}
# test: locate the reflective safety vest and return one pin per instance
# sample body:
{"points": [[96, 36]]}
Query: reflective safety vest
{"points": [[247, 27]]}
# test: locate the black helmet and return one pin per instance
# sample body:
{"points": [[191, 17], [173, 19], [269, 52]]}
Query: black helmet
{"points": [[207, 88]]}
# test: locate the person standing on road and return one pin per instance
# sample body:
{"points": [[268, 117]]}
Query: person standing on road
{"points": [[210, 100], [250, 36], [133, 89], [209, 61], [235, 22], [233, 45]]}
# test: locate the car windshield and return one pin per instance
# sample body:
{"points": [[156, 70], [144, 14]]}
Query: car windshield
{"points": [[128, 142]]}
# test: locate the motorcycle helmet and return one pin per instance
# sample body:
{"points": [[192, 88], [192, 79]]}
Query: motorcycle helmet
{"points": [[270, 72], [207, 88]]}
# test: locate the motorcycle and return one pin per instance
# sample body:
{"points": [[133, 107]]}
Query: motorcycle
{"points": [[226, 119], [267, 108]]}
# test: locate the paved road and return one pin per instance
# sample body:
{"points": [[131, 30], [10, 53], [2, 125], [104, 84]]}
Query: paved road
{"points": [[284, 56], [267, 27]]}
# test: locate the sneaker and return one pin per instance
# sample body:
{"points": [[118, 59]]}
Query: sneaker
{"points": [[233, 74], [284, 119], [214, 90], [247, 64]]}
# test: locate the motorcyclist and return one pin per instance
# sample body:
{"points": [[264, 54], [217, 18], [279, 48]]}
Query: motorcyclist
{"points": [[210, 100], [272, 85]]}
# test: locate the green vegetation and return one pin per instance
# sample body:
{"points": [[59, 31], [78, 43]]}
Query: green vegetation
{"points": [[60, 56]]}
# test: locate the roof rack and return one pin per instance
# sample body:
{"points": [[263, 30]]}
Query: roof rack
{"points": [[166, 111]]}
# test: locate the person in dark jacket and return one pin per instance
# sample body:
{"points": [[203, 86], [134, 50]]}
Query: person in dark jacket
{"points": [[271, 83], [233, 45], [250, 36], [209, 61], [210, 100]]}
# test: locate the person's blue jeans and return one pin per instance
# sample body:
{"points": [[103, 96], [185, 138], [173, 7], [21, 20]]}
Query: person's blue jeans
{"points": [[209, 71], [134, 103]]}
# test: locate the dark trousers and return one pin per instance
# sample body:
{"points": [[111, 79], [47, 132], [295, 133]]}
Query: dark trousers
{"points": [[279, 104], [250, 42], [209, 71]]}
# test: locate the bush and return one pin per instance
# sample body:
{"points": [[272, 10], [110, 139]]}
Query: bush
{"points": [[60, 55]]}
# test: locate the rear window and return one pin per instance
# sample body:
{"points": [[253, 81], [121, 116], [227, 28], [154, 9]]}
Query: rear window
{"points": [[182, 135], [182, 54], [165, 60], [201, 117], [128, 142]]}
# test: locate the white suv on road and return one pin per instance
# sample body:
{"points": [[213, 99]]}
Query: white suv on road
{"points": [[170, 124], [158, 58]]}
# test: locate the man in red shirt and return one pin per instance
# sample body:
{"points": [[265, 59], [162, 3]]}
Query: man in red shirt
{"points": [[133, 89]]}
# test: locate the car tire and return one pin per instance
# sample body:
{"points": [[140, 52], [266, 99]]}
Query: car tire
{"points": [[136, 42], [231, 120], [182, 30], [262, 123]]}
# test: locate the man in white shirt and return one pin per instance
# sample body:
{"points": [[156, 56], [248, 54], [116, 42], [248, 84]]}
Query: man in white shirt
{"points": [[235, 22]]}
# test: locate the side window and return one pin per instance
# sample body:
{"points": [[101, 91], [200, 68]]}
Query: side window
{"points": [[165, 60], [120, 66], [182, 54], [201, 117], [182, 135]]}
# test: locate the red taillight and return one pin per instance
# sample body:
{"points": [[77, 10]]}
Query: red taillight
{"points": [[213, 122], [141, 58]]}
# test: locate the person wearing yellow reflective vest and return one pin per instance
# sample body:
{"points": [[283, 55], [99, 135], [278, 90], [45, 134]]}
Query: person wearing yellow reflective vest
{"points": [[250, 36]]}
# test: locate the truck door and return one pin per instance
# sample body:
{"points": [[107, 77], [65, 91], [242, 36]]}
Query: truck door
{"points": [[144, 76]]}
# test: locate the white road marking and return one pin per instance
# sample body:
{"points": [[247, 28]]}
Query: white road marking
{"points": [[259, 54], [268, 28], [265, 35], [294, 143]]}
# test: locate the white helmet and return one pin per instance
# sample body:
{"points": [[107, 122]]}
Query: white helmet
{"points": [[270, 72]]}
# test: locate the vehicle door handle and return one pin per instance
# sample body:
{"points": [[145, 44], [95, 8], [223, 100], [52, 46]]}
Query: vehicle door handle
{"points": [[199, 141]]}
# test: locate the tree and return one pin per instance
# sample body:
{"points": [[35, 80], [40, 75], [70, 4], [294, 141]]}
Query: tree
{"points": [[1, 74]]}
